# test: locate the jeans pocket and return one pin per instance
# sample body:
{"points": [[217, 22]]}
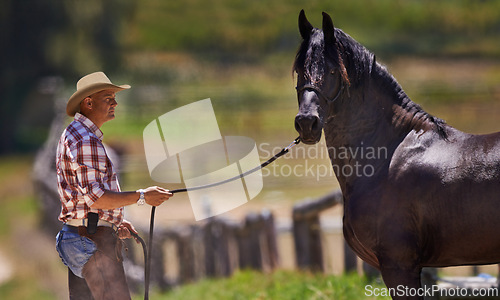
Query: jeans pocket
{"points": [[74, 250]]}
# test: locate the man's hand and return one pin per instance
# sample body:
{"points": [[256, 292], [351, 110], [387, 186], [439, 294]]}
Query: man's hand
{"points": [[125, 229], [155, 195]]}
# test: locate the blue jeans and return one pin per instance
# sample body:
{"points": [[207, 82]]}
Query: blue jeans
{"points": [[74, 250]]}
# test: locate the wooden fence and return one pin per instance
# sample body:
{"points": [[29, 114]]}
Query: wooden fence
{"points": [[218, 247]]}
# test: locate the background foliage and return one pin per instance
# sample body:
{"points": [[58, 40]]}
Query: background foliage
{"points": [[152, 40]]}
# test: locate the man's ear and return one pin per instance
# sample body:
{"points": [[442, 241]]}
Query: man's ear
{"points": [[86, 104]]}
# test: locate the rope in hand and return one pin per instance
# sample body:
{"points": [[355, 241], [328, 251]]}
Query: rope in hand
{"points": [[147, 254]]}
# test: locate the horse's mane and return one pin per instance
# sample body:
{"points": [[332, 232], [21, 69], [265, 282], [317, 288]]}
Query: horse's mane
{"points": [[357, 64], [311, 56], [408, 114]]}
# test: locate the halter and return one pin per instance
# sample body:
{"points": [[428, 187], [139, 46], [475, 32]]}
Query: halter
{"points": [[318, 92]]}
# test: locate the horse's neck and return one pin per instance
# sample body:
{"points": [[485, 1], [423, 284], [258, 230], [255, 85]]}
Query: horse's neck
{"points": [[360, 151], [364, 138], [357, 151]]}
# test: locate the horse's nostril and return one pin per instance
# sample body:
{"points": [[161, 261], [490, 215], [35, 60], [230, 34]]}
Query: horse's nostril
{"points": [[315, 124], [297, 125], [309, 127], [307, 123]]}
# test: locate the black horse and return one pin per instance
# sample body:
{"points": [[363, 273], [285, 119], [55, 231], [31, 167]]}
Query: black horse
{"points": [[431, 198]]}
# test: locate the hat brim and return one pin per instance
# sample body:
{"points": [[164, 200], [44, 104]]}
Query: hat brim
{"points": [[74, 101]]}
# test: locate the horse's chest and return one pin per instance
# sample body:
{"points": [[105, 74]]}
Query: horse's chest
{"points": [[362, 223]]}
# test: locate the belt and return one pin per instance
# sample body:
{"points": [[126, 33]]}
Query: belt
{"points": [[69, 228], [84, 222]]}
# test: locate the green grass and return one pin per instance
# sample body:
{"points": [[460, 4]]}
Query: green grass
{"points": [[279, 285], [24, 288]]}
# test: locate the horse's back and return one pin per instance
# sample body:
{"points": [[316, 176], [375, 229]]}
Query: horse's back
{"points": [[452, 187], [460, 157]]}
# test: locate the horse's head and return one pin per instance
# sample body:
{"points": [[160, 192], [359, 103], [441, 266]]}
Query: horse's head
{"points": [[321, 77]]}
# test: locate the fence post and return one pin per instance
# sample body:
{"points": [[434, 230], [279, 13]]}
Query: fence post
{"points": [[256, 240], [272, 244], [307, 230], [307, 238], [185, 255], [157, 260], [253, 239], [217, 242], [244, 246]]}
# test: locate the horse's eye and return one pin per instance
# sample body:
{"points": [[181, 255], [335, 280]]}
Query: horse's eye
{"points": [[332, 72]]}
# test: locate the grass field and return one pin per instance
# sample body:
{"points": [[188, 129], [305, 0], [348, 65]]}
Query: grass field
{"points": [[279, 285]]}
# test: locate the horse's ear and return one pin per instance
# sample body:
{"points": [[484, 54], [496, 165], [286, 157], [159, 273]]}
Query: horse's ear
{"points": [[328, 28], [305, 27]]}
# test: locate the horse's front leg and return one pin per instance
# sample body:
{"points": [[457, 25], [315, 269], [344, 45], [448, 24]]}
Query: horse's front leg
{"points": [[402, 284]]}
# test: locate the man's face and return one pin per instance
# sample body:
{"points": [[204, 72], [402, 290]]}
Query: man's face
{"points": [[103, 106]]}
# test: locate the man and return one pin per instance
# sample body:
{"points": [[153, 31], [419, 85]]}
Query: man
{"points": [[91, 200]]}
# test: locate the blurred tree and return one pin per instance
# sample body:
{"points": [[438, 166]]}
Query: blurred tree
{"points": [[52, 38]]}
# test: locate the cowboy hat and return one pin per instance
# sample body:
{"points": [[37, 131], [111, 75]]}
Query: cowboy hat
{"points": [[88, 85]]}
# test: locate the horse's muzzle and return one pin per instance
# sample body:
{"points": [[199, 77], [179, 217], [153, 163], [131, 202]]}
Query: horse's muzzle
{"points": [[309, 127]]}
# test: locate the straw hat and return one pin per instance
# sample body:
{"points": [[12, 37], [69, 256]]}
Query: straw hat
{"points": [[89, 85]]}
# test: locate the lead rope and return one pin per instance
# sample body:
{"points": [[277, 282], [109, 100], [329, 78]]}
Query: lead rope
{"points": [[147, 258]]}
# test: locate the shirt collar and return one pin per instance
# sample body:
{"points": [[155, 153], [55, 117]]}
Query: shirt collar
{"points": [[89, 124]]}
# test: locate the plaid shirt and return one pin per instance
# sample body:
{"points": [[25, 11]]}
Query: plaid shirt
{"points": [[84, 172]]}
